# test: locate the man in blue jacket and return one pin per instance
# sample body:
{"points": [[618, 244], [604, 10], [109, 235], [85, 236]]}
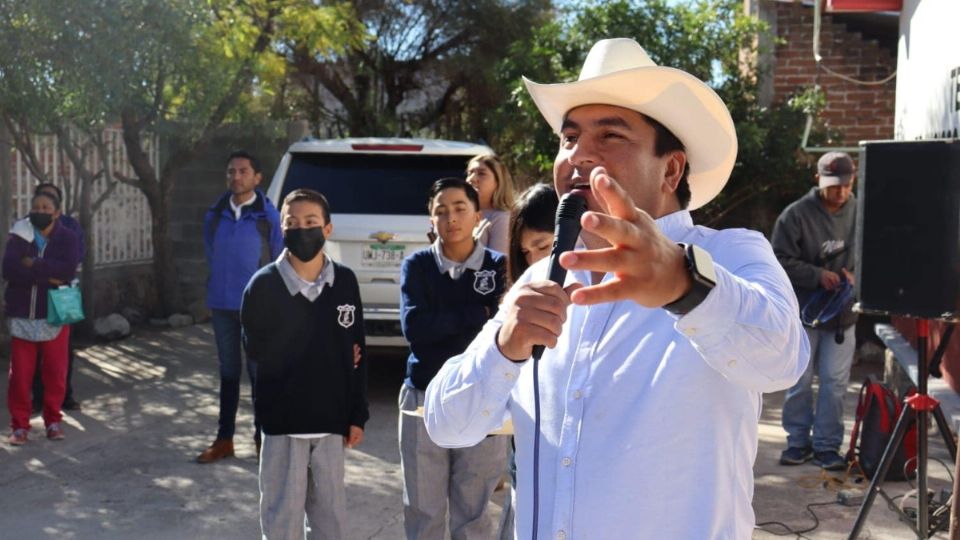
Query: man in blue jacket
{"points": [[241, 234]]}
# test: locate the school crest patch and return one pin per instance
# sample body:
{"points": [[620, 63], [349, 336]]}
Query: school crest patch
{"points": [[485, 281], [345, 317]]}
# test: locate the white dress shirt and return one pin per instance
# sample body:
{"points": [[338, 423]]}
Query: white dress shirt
{"points": [[297, 285], [238, 208], [456, 269], [648, 421]]}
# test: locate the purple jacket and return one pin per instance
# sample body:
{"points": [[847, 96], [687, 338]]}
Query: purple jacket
{"points": [[26, 294]]}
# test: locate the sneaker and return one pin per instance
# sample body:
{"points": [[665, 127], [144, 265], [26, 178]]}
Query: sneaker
{"points": [[829, 460], [796, 455], [18, 437], [55, 432]]}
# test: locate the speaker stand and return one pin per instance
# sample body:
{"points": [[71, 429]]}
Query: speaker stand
{"points": [[918, 405]]}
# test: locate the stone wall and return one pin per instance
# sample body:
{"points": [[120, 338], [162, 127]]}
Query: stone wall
{"points": [[116, 288], [199, 185]]}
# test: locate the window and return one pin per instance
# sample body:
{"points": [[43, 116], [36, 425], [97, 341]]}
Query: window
{"points": [[358, 183]]}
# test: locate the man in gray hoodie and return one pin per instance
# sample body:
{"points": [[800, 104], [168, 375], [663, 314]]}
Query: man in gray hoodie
{"points": [[813, 240]]}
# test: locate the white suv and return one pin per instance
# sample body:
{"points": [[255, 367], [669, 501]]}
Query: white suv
{"points": [[377, 189]]}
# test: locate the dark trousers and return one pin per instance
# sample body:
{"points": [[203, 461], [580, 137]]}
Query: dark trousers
{"points": [[227, 332]]}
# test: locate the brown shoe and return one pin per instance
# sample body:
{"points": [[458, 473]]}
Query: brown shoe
{"points": [[220, 449]]}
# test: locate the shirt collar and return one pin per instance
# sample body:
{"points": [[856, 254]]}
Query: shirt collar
{"points": [[296, 284], [474, 261], [676, 225], [237, 208]]}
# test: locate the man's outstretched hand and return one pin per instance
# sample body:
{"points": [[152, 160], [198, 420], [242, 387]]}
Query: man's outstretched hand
{"points": [[648, 267]]}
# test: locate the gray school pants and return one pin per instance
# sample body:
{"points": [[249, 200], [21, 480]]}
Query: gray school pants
{"points": [[432, 476], [301, 487]]}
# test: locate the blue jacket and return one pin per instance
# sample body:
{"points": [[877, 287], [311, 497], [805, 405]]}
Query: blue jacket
{"points": [[235, 248]]}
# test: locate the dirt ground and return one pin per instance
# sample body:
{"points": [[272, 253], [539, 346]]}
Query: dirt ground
{"points": [[127, 470]]}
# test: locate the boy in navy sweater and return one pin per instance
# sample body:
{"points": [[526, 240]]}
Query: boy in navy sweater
{"points": [[448, 292], [303, 324]]}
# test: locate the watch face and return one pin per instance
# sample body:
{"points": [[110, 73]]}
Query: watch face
{"points": [[703, 264]]}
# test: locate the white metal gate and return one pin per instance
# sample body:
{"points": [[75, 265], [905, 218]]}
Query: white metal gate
{"points": [[121, 227]]}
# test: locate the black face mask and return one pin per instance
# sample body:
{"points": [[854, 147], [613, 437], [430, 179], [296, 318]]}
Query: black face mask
{"points": [[40, 220], [304, 244]]}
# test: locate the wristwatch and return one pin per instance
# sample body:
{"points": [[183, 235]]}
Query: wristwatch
{"points": [[700, 266]]}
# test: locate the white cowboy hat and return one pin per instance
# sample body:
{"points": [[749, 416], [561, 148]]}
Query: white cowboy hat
{"points": [[619, 72]]}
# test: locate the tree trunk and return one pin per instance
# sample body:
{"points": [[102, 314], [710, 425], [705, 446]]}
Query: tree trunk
{"points": [[164, 266], [6, 210], [157, 191], [89, 256]]}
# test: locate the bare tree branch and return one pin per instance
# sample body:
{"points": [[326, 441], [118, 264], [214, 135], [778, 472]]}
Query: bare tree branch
{"points": [[107, 170], [111, 187], [135, 182], [21, 140]]}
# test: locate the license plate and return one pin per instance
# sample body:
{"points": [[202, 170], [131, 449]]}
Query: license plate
{"points": [[383, 254]]}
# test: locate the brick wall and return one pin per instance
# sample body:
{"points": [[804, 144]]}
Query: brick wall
{"points": [[858, 112]]}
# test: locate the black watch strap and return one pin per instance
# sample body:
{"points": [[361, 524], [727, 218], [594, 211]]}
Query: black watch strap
{"points": [[700, 267]]}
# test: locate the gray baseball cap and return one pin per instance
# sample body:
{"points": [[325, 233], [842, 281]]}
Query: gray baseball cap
{"points": [[835, 169]]}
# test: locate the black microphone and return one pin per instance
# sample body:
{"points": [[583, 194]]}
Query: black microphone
{"points": [[565, 235]]}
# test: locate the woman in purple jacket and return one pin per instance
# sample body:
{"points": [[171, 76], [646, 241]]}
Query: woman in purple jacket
{"points": [[41, 254]]}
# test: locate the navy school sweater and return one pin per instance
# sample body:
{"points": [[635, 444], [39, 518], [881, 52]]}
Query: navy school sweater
{"points": [[439, 315], [306, 381]]}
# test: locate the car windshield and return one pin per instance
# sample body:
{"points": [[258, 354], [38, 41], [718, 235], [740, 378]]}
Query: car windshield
{"points": [[372, 183]]}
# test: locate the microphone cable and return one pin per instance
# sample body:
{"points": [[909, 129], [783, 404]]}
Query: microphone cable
{"points": [[565, 235], [536, 446]]}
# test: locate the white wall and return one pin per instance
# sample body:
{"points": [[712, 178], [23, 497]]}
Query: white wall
{"points": [[928, 70]]}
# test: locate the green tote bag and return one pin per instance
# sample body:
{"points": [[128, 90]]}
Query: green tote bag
{"points": [[64, 305]]}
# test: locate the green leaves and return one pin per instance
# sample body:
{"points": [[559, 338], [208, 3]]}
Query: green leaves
{"points": [[712, 39]]}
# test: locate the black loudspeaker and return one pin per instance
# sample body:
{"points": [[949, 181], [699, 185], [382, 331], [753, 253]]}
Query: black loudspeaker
{"points": [[908, 223]]}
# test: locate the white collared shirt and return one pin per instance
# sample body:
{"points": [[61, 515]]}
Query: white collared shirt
{"points": [[311, 290], [456, 269], [238, 208], [648, 421]]}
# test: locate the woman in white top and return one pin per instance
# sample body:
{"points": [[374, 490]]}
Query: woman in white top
{"points": [[490, 177]]}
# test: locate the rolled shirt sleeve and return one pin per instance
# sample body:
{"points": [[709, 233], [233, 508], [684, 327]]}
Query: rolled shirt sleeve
{"points": [[748, 327]]}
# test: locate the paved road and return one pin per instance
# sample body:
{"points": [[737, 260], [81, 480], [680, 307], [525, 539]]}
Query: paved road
{"points": [[126, 469]]}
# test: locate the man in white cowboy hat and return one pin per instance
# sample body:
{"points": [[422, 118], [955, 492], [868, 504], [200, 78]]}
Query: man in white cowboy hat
{"points": [[663, 339]]}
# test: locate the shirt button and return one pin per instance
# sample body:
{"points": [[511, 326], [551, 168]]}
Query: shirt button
{"points": [[509, 376], [566, 462], [561, 535], [732, 362], [486, 412], [577, 395], [690, 331]]}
